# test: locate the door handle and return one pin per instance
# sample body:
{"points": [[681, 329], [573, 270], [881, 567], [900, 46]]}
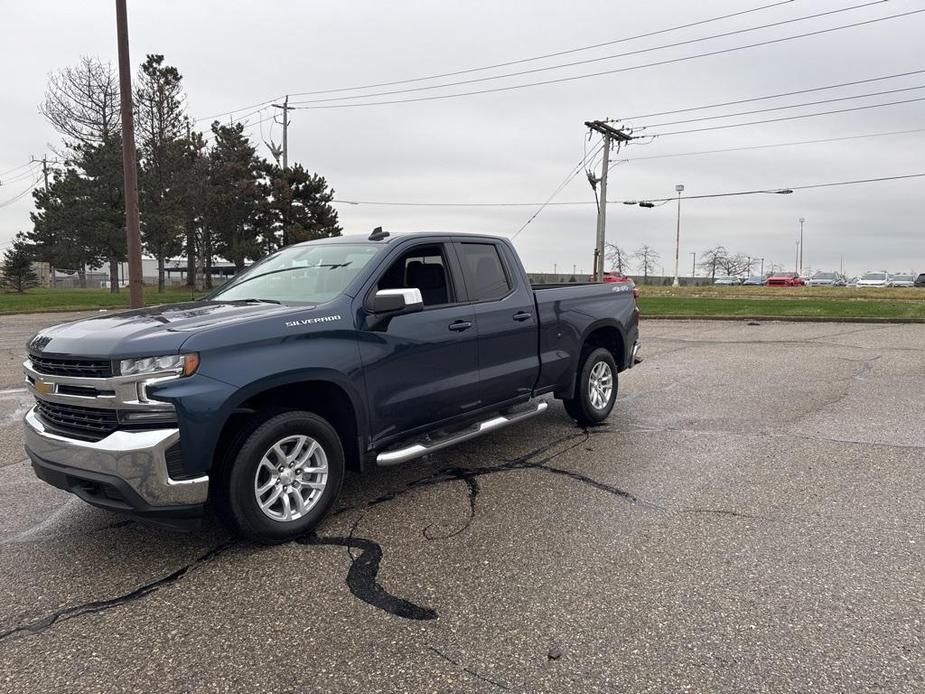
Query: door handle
{"points": [[460, 325], [522, 316]]}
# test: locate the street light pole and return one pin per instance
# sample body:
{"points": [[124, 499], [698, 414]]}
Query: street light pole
{"points": [[677, 239], [802, 222], [693, 264], [796, 260]]}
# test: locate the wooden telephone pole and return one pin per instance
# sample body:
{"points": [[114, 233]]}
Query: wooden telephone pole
{"points": [[129, 165], [610, 135]]}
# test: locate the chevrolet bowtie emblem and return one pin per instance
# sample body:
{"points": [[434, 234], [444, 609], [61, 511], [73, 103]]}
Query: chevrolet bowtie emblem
{"points": [[44, 387]]}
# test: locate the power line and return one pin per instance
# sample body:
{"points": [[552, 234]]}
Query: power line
{"points": [[22, 176], [772, 96], [781, 108], [28, 190], [547, 55], [771, 146], [787, 118], [811, 186], [16, 168], [658, 63], [550, 202], [587, 61], [520, 61]]}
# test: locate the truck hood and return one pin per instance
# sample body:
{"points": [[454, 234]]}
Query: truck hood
{"points": [[144, 332]]}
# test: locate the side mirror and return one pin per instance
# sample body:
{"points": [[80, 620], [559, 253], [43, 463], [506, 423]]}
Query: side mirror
{"points": [[397, 301]]}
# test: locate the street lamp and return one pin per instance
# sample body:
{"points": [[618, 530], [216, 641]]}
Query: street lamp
{"points": [[677, 239], [802, 222]]}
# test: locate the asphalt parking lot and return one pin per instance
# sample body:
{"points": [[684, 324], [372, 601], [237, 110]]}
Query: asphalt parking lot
{"points": [[751, 518]]}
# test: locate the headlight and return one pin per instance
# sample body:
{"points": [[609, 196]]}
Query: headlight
{"points": [[181, 364]]}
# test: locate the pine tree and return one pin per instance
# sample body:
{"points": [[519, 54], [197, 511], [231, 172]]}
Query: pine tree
{"points": [[17, 274], [299, 208], [162, 122], [235, 194]]}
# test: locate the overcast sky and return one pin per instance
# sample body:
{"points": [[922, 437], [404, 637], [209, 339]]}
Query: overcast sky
{"points": [[518, 145]]}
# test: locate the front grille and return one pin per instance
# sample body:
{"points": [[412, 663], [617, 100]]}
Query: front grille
{"points": [[87, 368], [86, 423]]}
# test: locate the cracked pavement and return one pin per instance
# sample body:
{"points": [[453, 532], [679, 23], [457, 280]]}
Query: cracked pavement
{"points": [[750, 518]]}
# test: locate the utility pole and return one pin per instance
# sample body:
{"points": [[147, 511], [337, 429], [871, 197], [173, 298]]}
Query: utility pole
{"points": [[796, 261], [285, 107], [693, 264], [44, 161], [132, 229], [802, 222], [610, 134], [762, 267], [677, 239]]}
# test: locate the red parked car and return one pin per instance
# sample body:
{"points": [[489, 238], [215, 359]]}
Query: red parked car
{"points": [[610, 277], [619, 278], [785, 279]]}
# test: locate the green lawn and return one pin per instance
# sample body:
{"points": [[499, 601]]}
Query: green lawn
{"points": [[687, 302], [41, 299], [734, 302]]}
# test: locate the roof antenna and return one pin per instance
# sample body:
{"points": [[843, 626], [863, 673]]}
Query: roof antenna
{"points": [[378, 234]]}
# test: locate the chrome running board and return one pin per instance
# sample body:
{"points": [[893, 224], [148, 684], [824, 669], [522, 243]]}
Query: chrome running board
{"points": [[416, 450]]}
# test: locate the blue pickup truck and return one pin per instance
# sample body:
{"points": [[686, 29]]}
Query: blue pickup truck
{"points": [[325, 356]]}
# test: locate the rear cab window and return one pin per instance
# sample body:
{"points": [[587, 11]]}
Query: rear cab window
{"points": [[484, 272]]}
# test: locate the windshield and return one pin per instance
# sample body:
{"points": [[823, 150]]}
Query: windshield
{"points": [[903, 278], [300, 274], [824, 276], [874, 276]]}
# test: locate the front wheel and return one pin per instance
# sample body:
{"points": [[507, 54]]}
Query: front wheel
{"points": [[596, 390], [284, 478]]}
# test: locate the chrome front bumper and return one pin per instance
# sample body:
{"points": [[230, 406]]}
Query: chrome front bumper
{"points": [[137, 458]]}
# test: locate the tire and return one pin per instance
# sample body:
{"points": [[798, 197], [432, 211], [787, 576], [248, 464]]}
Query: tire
{"points": [[290, 457], [592, 405]]}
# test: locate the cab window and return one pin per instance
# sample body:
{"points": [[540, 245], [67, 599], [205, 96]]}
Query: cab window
{"points": [[423, 268]]}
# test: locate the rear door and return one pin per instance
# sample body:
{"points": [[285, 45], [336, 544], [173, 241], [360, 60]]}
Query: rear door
{"points": [[505, 312], [422, 367]]}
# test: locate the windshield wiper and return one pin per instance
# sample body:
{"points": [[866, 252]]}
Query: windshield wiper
{"points": [[246, 301]]}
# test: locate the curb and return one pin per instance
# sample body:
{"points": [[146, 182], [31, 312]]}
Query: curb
{"points": [[787, 319]]}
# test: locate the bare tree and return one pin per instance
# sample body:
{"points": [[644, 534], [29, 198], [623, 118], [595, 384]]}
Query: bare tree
{"points": [[82, 102], [713, 259], [733, 264], [647, 258], [616, 257]]}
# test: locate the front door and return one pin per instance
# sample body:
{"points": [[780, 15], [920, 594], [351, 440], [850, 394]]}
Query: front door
{"points": [[422, 367]]}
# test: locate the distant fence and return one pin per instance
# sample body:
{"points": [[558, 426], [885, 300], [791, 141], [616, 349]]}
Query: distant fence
{"points": [[656, 280]]}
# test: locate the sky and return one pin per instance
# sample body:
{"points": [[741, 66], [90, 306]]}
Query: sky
{"points": [[517, 146]]}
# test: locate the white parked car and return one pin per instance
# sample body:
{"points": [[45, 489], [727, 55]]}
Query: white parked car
{"points": [[902, 281], [827, 279], [874, 279], [728, 281]]}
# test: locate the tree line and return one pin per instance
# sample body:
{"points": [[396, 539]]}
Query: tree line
{"points": [[713, 261], [198, 199]]}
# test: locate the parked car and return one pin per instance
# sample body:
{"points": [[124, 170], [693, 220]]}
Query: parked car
{"points": [[339, 353], [785, 279], [727, 281], [615, 277], [920, 280], [754, 281], [902, 280], [874, 279], [827, 279]]}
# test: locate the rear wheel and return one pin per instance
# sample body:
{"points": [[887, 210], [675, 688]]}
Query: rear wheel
{"points": [[284, 478], [596, 390]]}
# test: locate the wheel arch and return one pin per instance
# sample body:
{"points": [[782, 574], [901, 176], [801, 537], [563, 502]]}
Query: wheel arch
{"points": [[609, 335], [327, 395]]}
